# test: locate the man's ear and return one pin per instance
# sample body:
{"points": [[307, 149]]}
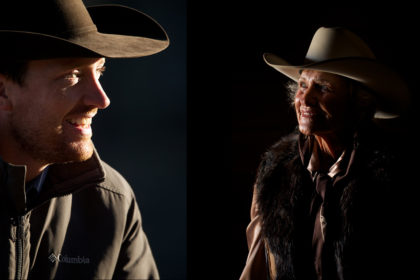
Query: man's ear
{"points": [[5, 104]]}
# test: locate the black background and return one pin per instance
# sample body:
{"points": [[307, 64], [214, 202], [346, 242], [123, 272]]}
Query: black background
{"points": [[237, 106]]}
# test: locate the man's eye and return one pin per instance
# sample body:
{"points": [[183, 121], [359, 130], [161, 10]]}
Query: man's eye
{"points": [[73, 75], [73, 78], [100, 71]]}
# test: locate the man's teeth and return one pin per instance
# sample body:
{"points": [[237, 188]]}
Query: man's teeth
{"points": [[80, 121]]}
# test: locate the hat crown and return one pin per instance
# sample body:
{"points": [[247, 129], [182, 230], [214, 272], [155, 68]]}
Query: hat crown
{"points": [[336, 43], [64, 18]]}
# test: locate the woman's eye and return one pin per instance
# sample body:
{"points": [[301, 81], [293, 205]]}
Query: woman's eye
{"points": [[302, 85], [326, 89]]}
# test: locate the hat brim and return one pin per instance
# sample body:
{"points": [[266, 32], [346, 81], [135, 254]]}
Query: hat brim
{"points": [[392, 93], [123, 32]]}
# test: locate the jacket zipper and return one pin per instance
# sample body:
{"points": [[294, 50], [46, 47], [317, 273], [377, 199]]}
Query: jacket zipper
{"points": [[19, 246]]}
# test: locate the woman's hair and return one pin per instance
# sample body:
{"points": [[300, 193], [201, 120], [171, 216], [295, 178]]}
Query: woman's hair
{"points": [[14, 69], [363, 97], [291, 89]]}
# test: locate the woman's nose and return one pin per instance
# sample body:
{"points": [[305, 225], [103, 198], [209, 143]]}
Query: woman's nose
{"points": [[308, 96]]}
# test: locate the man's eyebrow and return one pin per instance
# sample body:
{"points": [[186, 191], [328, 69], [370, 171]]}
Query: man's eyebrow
{"points": [[71, 63]]}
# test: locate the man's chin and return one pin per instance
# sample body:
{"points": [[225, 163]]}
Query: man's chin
{"points": [[72, 152], [77, 152]]}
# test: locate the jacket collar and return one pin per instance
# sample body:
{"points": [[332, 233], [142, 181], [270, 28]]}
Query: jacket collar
{"points": [[12, 182], [62, 179]]}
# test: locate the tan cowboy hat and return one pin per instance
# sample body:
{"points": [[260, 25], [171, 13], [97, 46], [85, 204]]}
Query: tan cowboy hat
{"points": [[32, 29], [339, 51]]}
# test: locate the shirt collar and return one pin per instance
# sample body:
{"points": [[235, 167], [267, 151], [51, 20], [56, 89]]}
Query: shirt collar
{"points": [[314, 163], [309, 153], [38, 182]]}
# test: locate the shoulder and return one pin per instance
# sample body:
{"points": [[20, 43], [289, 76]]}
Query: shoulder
{"points": [[378, 146], [382, 155], [281, 152], [114, 182], [285, 147], [282, 157]]}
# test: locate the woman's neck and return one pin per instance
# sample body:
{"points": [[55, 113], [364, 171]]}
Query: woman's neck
{"points": [[331, 146]]}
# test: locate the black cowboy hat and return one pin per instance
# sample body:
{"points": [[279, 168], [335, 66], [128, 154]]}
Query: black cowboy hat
{"points": [[65, 28]]}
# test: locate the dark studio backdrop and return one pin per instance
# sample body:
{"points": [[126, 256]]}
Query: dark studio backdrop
{"points": [[258, 110], [142, 133]]}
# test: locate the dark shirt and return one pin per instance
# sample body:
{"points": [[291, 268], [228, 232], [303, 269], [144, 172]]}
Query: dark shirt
{"points": [[34, 187]]}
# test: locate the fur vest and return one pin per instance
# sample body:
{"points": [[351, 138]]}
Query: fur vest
{"points": [[365, 236]]}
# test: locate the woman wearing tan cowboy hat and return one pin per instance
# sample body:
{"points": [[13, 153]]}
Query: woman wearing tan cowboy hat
{"points": [[326, 204], [66, 214]]}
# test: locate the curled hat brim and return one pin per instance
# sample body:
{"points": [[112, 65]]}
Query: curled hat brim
{"points": [[391, 92], [122, 32]]}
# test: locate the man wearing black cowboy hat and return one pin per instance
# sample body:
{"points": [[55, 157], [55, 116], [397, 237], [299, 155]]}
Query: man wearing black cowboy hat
{"points": [[331, 200], [64, 212]]}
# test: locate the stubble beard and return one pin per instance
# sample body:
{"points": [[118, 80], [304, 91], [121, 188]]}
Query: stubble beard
{"points": [[52, 147]]}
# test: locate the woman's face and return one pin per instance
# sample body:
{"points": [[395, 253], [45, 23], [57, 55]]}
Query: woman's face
{"points": [[322, 103]]}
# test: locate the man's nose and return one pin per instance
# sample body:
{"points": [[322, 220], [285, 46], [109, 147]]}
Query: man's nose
{"points": [[95, 95]]}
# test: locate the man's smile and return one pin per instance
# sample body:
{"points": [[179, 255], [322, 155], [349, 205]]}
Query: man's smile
{"points": [[81, 124]]}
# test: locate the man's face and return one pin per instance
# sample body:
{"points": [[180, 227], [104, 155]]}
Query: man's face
{"points": [[322, 103], [52, 111]]}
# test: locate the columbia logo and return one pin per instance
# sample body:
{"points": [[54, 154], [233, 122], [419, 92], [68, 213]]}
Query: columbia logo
{"points": [[65, 259], [53, 258]]}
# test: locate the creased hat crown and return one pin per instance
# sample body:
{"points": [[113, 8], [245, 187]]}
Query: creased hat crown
{"points": [[63, 18], [63, 28], [335, 43]]}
